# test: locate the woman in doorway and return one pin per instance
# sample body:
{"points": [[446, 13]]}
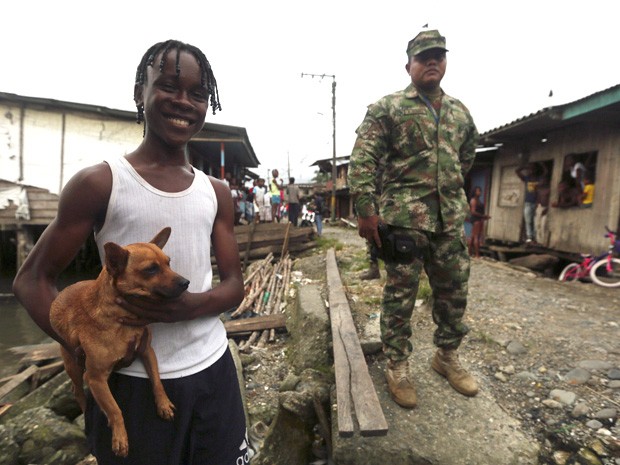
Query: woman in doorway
{"points": [[477, 215]]}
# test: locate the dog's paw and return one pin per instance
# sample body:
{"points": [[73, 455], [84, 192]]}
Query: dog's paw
{"points": [[166, 409], [120, 445]]}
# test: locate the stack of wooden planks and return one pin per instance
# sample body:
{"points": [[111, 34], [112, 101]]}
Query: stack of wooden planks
{"points": [[266, 287], [257, 240], [38, 364]]}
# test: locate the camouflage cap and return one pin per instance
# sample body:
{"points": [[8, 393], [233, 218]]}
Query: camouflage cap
{"points": [[426, 40]]}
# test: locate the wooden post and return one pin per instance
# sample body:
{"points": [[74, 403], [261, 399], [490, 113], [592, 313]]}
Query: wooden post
{"points": [[248, 246], [24, 244]]}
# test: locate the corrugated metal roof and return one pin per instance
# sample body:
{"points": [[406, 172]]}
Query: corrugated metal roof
{"points": [[604, 104]]}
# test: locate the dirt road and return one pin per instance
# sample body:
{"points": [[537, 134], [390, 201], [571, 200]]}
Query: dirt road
{"points": [[548, 352]]}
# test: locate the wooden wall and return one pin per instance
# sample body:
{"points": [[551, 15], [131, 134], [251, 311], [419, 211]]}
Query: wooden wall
{"points": [[573, 230], [43, 207]]}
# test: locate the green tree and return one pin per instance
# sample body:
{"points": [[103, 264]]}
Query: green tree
{"points": [[321, 177]]}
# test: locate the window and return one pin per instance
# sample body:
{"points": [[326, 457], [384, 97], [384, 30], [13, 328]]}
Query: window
{"points": [[579, 176]]}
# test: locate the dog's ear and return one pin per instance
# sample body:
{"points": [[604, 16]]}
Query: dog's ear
{"points": [[162, 237], [116, 258]]}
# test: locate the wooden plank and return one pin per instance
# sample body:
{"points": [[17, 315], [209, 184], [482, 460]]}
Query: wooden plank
{"points": [[343, 378], [366, 403], [45, 347], [248, 245], [262, 252], [45, 352], [17, 380], [287, 237], [256, 323], [51, 369], [264, 239], [4, 408]]}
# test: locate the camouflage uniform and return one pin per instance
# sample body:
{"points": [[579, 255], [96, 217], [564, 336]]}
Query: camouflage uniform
{"points": [[425, 162]]}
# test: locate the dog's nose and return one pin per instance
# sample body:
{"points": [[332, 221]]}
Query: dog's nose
{"points": [[183, 283]]}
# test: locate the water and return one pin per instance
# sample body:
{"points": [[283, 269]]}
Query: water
{"points": [[16, 329]]}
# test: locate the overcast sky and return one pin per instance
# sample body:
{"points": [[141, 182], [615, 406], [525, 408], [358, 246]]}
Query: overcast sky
{"points": [[504, 58]]}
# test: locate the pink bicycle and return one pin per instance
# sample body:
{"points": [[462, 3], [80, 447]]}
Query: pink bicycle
{"points": [[603, 269]]}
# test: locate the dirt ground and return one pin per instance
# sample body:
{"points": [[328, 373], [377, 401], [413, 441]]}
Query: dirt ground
{"points": [[548, 352]]}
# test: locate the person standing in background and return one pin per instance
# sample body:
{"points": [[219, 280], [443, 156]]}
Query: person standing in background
{"points": [[319, 208], [477, 217], [530, 176], [275, 188], [543, 197], [292, 193], [262, 208]]}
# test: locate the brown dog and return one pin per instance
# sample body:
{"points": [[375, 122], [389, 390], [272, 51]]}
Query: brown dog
{"points": [[85, 314]]}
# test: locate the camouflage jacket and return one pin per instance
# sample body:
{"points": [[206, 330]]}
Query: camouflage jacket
{"points": [[424, 162]]}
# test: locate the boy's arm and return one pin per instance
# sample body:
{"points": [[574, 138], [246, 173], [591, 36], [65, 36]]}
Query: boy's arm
{"points": [[82, 206], [229, 292]]}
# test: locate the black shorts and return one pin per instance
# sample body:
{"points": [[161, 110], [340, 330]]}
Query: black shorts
{"points": [[208, 427]]}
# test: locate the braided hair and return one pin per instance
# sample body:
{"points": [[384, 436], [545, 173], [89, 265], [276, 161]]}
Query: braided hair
{"points": [[206, 79]]}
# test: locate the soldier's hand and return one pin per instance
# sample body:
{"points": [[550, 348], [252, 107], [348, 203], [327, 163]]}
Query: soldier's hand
{"points": [[368, 228]]}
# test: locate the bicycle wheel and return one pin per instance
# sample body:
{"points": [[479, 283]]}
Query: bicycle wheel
{"points": [[571, 272], [604, 277]]}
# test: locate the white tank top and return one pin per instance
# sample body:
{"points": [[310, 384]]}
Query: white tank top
{"points": [[136, 213]]}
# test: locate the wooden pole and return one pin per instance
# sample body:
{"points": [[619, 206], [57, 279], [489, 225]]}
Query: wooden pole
{"points": [[285, 244], [248, 246]]}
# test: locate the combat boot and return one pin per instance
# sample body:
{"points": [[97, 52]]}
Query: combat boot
{"points": [[400, 384], [372, 272], [447, 364]]}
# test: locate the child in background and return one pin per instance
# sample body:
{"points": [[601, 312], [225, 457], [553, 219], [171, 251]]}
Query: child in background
{"points": [[587, 197]]}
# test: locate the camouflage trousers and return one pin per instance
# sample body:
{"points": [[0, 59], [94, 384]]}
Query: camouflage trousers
{"points": [[371, 251], [446, 263]]}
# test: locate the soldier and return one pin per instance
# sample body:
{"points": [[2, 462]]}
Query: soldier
{"points": [[426, 141]]}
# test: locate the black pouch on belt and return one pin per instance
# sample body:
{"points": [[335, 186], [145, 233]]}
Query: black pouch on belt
{"points": [[405, 250], [396, 248]]}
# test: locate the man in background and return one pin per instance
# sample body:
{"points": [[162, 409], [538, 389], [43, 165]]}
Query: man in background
{"points": [[292, 193]]}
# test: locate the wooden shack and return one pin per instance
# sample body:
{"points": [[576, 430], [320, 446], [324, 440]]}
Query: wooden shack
{"points": [[44, 142], [25, 211], [344, 201], [586, 131]]}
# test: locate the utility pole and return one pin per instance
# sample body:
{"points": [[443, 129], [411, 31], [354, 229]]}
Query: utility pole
{"points": [[334, 172]]}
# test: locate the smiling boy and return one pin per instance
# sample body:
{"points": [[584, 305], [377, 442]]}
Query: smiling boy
{"points": [[127, 200]]}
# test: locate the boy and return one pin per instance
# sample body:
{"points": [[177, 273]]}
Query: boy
{"points": [[261, 202], [275, 186], [128, 200]]}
